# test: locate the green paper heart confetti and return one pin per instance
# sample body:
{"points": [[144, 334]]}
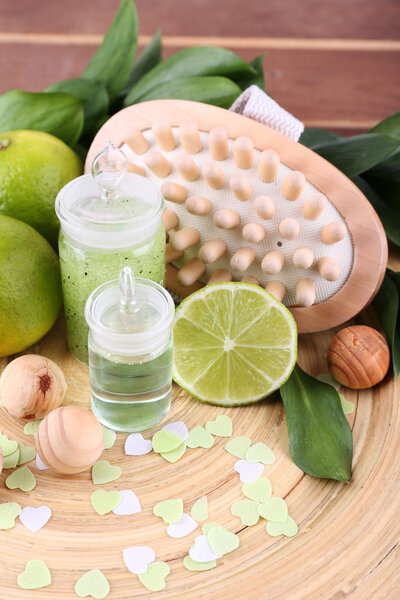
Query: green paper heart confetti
{"points": [[7, 446], [289, 528], [154, 577], [11, 460], [193, 565], [165, 441], [104, 502], [9, 511], [208, 526], [247, 511], [199, 438], [222, 426], [238, 446], [260, 453], [327, 378], [93, 583], [35, 576], [259, 490], [103, 472], [109, 441], [274, 509], [22, 478], [175, 454], [26, 454], [222, 541], [199, 510], [169, 510], [347, 406], [32, 427]]}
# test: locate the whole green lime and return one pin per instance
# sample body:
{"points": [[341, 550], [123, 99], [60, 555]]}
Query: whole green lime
{"points": [[30, 286], [34, 166]]}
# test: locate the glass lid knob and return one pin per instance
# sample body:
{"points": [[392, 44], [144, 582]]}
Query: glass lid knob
{"points": [[108, 168]]}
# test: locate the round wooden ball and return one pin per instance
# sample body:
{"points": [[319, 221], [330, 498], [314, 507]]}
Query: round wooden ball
{"points": [[69, 440], [358, 357]]}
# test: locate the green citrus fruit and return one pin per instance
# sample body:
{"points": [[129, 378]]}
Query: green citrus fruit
{"points": [[30, 286], [234, 344], [34, 166]]}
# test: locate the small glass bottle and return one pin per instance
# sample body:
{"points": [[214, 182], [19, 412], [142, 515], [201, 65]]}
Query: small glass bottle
{"points": [[109, 219], [130, 352]]}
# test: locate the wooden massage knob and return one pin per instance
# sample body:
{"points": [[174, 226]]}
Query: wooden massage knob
{"points": [[293, 185], [197, 205], [174, 192], [243, 152], [243, 258], [164, 136], [218, 143], [268, 166], [190, 137], [264, 207], [157, 163], [226, 218], [333, 232], [137, 142], [213, 174], [328, 268], [190, 272], [305, 292], [186, 167], [314, 206], [240, 186], [184, 238], [277, 289], [272, 262], [171, 254], [170, 219], [253, 233], [303, 257], [289, 228], [220, 276], [212, 250], [136, 169]]}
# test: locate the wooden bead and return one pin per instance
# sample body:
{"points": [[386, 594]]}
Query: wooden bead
{"points": [[328, 268], [253, 233], [293, 185], [137, 142], [164, 136], [69, 440], [212, 250], [170, 219], [225, 218], [197, 205], [243, 258], [305, 292], [277, 289], [174, 192], [157, 163], [186, 167], [190, 137], [190, 273], [358, 357], [303, 257], [213, 174], [272, 262], [268, 166], [171, 254], [184, 238], [243, 152], [289, 228], [333, 232], [240, 186], [250, 279], [220, 276], [264, 207], [314, 206], [218, 142], [136, 169]]}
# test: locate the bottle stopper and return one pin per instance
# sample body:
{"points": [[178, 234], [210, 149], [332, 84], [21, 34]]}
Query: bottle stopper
{"points": [[108, 168]]}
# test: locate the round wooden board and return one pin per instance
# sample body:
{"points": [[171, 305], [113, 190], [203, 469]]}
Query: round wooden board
{"points": [[347, 545]]}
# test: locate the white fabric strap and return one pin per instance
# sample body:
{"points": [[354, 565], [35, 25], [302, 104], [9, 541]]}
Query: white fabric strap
{"points": [[257, 105]]}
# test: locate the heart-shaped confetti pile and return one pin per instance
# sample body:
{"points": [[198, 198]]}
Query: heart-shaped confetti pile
{"points": [[238, 446], [26, 453], [154, 578], [35, 518], [169, 510], [35, 576], [9, 511], [247, 511], [93, 583], [165, 441], [179, 428], [222, 426], [136, 445], [175, 454], [109, 440], [259, 490], [222, 541], [104, 502], [199, 438], [248, 471], [103, 472], [7, 446], [260, 453], [138, 558], [129, 504], [201, 550], [11, 460], [199, 509], [289, 528], [192, 565], [184, 526], [22, 479], [32, 427], [274, 509]]}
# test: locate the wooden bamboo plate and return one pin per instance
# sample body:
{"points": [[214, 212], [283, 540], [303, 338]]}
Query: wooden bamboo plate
{"points": [[359, 258], [348, 540]]}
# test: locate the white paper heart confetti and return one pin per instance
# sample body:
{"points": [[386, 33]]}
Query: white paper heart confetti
{"points": [[35, 518], [183, 527], [136, 445], [138, 558], [179, 428], [40, 464], [129, 504], [201, 550], [248, 471]]}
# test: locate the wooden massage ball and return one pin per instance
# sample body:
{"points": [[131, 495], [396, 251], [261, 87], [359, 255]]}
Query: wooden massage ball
{"points": [[69, 440], [358, 357]]}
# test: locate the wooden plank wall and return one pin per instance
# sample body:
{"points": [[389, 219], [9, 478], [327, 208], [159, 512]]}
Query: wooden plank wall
{"points": [[333, 63]]}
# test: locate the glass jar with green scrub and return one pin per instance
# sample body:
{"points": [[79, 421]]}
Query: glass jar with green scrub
{"points": [[130, 352], [109, 219]]}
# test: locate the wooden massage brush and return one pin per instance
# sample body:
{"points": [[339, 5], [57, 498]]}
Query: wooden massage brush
{"points": [[245, 203]]}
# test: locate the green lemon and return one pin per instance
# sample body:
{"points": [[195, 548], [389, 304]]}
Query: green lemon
{"points": [[30, 286], [34, 166], [234, 344]]}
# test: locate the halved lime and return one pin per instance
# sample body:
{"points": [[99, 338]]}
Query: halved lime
{"points": [[234, 344]]}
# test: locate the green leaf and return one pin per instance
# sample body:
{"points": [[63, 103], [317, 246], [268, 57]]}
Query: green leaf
{"points": [[312, 137], [149, 58], [113, 59], [320, 440], [388, 168], [258, 78], [354, 155], [191, 62], [219, 91], [386, 303], [93, 93], [57, 113], [388, 214], [389, 126]]}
